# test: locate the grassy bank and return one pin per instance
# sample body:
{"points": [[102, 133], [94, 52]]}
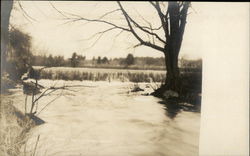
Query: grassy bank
{"points": [[14, 130]]}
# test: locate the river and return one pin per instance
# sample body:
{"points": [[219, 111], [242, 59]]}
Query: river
{"points": [[106, 119]]}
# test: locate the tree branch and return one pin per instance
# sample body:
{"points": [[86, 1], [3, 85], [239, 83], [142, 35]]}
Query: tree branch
{"points": [[163, 18], [58, 10], [99, 37], [75, 18], [109, 13], [135, 34], [100, 32], [150, 25], [143, 27], [79, 18], [183, 17], [25, 14]]}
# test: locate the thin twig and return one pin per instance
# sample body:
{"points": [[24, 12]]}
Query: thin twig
{"points": [[25, 11], [25, 105], [49, 103], [109, 13], [36, 145], [99, 33]]}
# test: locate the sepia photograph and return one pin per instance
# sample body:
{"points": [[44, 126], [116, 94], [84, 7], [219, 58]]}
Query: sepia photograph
{"points": [[106, 78]]}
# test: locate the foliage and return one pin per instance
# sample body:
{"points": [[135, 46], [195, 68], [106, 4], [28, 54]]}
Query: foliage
{"points": [[191, 63], [19, 56], [129, 59], [99, 60], [105, 60], [74, 60], [49, 61]]}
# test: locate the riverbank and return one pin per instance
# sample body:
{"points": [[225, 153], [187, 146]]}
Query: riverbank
{"points": [[15, 128]]}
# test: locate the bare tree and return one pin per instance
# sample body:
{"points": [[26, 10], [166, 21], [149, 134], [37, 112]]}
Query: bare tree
{"points": [[173, 21]]}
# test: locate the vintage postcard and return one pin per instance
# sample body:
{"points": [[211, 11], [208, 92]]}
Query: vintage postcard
{"points": [[123, 78]]}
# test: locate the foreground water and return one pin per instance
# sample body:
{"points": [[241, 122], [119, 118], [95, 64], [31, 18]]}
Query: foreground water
{"points": [[108, 120]]}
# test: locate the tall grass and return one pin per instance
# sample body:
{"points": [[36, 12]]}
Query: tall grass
{"points": [[14, 131]]}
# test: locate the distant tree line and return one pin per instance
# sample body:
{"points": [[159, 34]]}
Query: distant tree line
{"points": [[77, 60], [101, 60], [184, 63], [50, 61], [130, 61], [56, 61]]}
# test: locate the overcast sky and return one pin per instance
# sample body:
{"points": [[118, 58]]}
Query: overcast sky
{"points": [[52, 36]]}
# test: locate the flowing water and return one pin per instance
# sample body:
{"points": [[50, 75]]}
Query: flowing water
{"points": [[108, 120]]}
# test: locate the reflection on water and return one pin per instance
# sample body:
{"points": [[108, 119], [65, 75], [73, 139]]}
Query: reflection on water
{"points": [[107, 121], [172, 108]]}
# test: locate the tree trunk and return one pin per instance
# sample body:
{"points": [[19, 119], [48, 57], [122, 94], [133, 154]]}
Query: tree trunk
{"points": [[177, 22], [172, 75], [6, 7], [172, 81]]}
